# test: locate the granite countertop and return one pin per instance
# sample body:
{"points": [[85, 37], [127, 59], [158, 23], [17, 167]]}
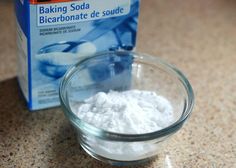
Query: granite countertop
{"points": [[199, 37]]}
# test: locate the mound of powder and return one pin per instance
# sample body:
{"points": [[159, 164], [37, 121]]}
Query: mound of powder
{"points": [[128, 112]]}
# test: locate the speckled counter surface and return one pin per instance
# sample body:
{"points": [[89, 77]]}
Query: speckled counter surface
{"points": [[199, 37]]}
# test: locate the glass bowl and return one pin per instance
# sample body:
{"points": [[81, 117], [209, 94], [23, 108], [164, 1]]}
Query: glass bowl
{"points": [[121, 71]]}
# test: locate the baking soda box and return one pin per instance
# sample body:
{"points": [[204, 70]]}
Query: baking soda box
{"points": [[52, 35]]}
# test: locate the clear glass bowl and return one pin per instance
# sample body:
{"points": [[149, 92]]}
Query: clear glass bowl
{"points": [[120, 71]]}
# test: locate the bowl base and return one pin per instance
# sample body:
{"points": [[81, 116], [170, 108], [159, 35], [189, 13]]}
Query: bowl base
{"points": [[118, 162]]}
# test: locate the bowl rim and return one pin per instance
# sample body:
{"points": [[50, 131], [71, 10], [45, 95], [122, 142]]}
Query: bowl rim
{"points": [[108, 135]]}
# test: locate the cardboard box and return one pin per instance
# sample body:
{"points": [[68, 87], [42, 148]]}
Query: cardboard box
{"points": [[52, 35]]}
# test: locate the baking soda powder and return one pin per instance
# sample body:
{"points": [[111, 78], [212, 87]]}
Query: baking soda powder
{"points": [[128, 112]]}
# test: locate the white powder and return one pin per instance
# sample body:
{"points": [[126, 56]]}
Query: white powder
{"points": [[66, 58], [129, 112]]}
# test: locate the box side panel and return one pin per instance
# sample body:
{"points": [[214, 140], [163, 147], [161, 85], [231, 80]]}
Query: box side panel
{"points": [[23, 47]]}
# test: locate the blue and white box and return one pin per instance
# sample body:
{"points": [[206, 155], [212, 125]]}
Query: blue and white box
{"points": [[52, 35]]}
